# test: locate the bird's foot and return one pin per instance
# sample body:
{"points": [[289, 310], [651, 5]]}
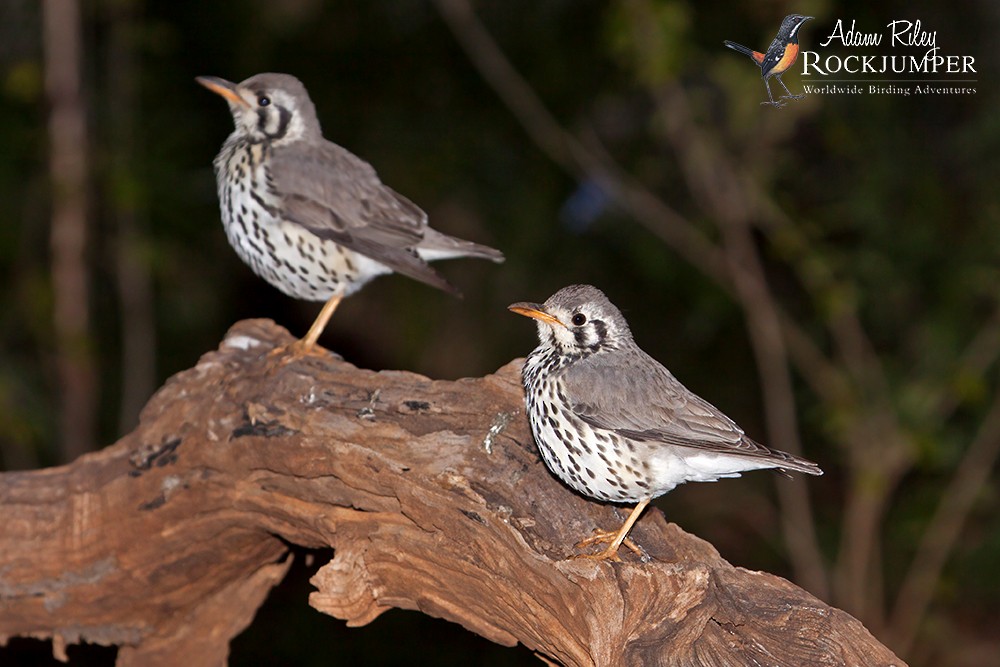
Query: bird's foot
{"points": [[792, 97], [300, 349], [777, 105], [611, 553]]}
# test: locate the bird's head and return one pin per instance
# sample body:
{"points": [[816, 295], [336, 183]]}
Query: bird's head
{"points": [[272, 108], [792, 23], [577, 320]]}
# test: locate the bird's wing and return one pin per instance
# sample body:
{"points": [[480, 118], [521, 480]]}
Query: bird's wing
{"points": [[327, 188], [338, 196], [770, 58], [640, 399]]}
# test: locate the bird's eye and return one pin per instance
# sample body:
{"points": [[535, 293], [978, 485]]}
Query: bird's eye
{"points": [[263, 101], [579, 319]]}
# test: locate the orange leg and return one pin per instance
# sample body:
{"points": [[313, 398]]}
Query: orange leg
{"points": [[305, 346], [616, 539], [321, 321]]}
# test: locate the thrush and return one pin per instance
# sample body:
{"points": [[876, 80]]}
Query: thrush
{"points": [[614, 424], [308, 216]]}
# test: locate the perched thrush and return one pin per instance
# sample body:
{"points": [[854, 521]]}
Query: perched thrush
{"points": [[308, 216], [613, 423]]}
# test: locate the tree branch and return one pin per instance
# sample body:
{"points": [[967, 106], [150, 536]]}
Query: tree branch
{"points": [[431, 495], [573, 155]]}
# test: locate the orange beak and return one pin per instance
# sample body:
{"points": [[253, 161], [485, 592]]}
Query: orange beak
{"points": [[534, 311], [222, 87]]}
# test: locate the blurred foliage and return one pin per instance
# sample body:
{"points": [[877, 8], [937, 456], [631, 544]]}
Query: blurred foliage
{"points": [[894, 200]]}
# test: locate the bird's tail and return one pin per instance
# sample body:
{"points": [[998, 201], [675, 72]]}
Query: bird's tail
{"points": [[739, 48], [436, 245], [782, 461], [791, 462]]}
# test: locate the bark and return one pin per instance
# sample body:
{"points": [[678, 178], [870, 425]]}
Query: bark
{"points": [[432, 496]]}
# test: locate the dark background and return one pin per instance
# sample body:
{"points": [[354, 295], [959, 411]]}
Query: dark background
{"points": [[873, 219]]}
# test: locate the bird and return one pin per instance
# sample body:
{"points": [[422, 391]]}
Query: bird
{"points": [[613, 423], [308, 216], [781, 55]]}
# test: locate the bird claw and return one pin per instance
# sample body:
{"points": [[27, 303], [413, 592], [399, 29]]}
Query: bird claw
{"points": [[301, 348], [776, 105], [286, 354], [602, 537]]}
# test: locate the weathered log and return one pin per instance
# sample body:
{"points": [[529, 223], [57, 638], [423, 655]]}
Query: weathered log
{"points": [[432, 496]]}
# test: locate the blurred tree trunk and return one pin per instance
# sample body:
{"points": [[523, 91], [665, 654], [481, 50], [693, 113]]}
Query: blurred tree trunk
{"points": [[68, 164], [431, 494], [126, 199]]}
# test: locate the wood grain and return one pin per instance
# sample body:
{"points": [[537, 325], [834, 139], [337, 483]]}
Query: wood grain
{"points": [[432, 496]]}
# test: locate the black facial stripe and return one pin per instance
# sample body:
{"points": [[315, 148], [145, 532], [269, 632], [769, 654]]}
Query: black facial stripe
{"points": [[599, 328], [551, 335], [284, 118]]}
